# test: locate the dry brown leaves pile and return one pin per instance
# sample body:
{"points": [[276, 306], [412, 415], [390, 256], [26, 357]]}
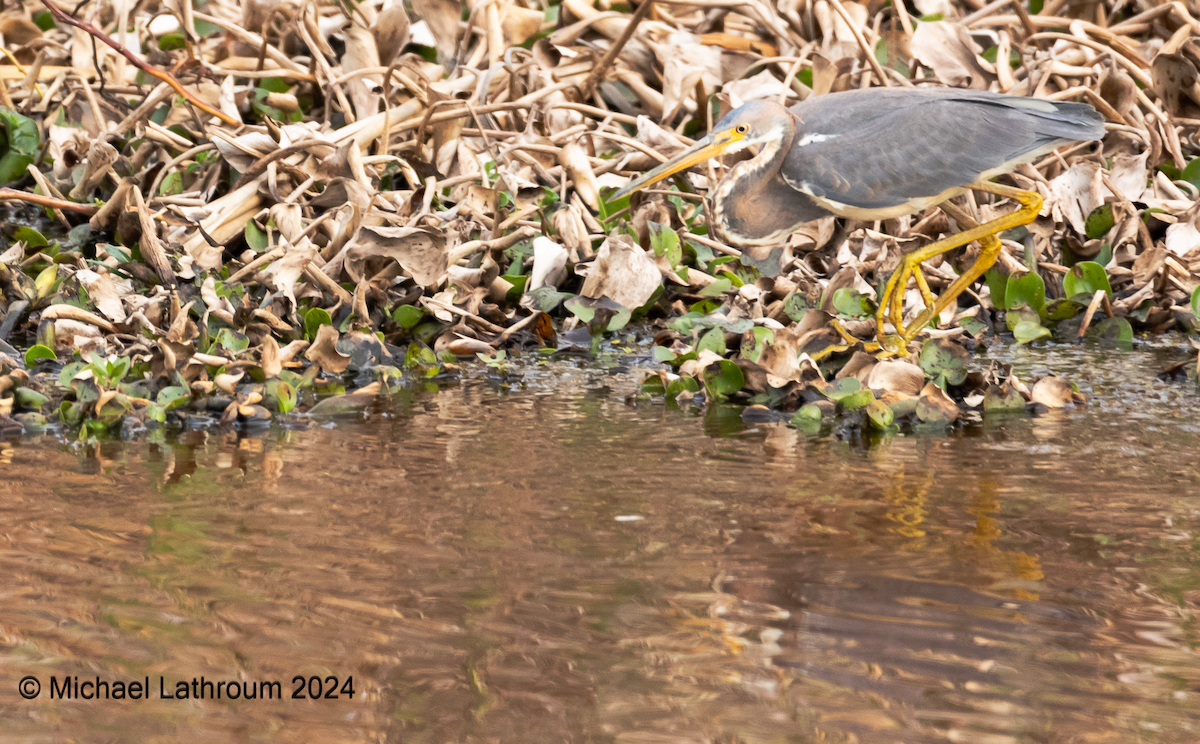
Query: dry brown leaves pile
{"points": [[451, 158]]}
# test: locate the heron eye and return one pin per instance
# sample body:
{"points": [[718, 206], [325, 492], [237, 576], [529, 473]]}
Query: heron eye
{"points": [[742, 129]]}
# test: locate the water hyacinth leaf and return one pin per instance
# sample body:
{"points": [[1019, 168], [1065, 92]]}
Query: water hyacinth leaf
{"points": [[723, 378], [280, 396], [1099, 222], [46, 280], [683, 384], [1116, 332], [881, 415], [973, 326], [1002, 398], [713, 340], [807, 412], [763, 337], [155, 412], [717, 288], [32, 238], [839, 389], [944, 361], [544, 299], [37, 352], [856, 400], [1086, 278], [1027, 290], [665, 242], [1028, 331], [1063, 309], [851, 303], [23, 144], [406, 316], [255, 238], [173, 397], [997, 283], [1013, 318], [27, 398], [653, 385], [314, 319], [1190, 172], [795, 306]]}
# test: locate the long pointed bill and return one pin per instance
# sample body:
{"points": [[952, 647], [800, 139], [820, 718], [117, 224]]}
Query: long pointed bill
{"points": [[703, 150]]}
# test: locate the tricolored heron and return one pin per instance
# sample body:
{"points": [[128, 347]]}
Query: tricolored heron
{"points": [[878, 153]]}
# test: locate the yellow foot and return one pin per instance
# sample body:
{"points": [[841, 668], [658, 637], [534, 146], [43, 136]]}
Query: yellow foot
{"points": [[891, 301]]}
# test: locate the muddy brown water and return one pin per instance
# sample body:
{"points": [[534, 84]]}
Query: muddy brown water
{"points": [[546, 561]]}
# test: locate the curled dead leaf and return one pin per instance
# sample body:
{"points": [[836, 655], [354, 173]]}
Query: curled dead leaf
{"points": [[324, 351]]}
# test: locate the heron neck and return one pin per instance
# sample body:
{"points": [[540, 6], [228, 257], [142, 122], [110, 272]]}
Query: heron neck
{"points": [[753, 205]]}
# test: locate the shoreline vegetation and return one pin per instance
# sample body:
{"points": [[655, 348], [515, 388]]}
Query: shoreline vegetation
{"points": [[296, 206]]}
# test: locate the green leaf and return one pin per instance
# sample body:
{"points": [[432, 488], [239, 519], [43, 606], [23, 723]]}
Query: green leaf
{"points": [[858, 399], [255, 238], [37, 352], [1099, 222], [406, 316], [839, 389], [171, 42], [682, 384], [944, 361], [281, 394], [795, 306], [851, 302], [1028, 290], [727, 380], [997, 282], [1084, 280], [546, 298], [46, 280], [717, 288], [1014, 317], [1191, 173], [653, 385], [314, 319], [24, 144], [26, 398], [1196, 302], [232, 340], [881, 415], [1116, 332], [32, 238], [1028, 331], [155, 412], [1002, 398], [173, 397], [713, 340], [204, 28], [665, 242], [1063, 309], [807, 412], [973, 326]]}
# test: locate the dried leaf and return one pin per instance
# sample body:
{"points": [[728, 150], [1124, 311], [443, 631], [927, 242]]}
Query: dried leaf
{"points": [[103, 293], [422, 254], [622, 272], [324, 351], [948, 49]]}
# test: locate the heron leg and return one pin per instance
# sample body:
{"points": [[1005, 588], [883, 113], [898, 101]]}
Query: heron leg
{"points": [[891, 303]]}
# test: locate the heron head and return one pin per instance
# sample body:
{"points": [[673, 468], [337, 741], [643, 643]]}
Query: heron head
{"points": [[754, 123]]}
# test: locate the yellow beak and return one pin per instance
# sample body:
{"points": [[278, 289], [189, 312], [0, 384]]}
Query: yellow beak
{"points": [[709, 147]]}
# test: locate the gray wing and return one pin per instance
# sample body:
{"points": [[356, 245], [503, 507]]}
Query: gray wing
{"points": [[881, 147]]}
